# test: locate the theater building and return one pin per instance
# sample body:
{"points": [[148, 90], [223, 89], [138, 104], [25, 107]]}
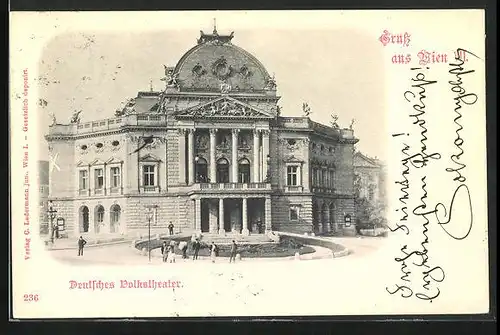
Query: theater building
{"points": [[211, 153]]}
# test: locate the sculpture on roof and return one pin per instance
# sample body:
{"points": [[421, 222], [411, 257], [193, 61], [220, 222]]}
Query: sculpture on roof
{"points": [[306, 109], [170, 77], [334, 122], [271, 83], [351, 126], [76, 117], [54, 121]]}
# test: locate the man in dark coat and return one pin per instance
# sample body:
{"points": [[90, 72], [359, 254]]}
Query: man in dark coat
{"points": [[196, 248], [171, 228], [81, 244], [234, 250]]}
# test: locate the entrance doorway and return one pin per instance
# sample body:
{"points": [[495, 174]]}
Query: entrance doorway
{"points": [[205, 225], [84, 219]]}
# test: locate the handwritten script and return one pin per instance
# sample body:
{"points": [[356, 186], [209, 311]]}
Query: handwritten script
{"points": [[420, 275]]}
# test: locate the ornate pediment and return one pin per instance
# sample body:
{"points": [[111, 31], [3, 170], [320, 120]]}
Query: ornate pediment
{"points": [[97, 162], [82, 164], [292, 159], [150, 158], [114, 160], [224, 107]]}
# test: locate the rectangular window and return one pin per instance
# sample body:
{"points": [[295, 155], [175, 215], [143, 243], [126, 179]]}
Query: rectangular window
{"points": [[294, 213], [292, 176], [115, 177], [99, 179], [332, 176], [83, 183], [149, 175]]}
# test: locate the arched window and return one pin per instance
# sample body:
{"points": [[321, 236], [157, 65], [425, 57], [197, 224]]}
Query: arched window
{"points": [[222, 171], [114, 218], [98, 218], [244, 171], [201, 172]]}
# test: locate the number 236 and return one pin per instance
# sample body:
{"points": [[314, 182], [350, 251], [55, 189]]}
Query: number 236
{"points": [[31, 297]]}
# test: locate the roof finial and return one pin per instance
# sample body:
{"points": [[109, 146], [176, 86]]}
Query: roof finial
{"points": [[215, 26], [150, 85]]}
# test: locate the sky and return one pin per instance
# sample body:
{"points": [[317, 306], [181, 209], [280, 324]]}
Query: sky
{"points": [[336, 71]]}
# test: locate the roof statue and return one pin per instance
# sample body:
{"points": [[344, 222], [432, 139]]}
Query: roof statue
{"points": [[351, 126], [76, 117], [334, 122], [306, 109]]}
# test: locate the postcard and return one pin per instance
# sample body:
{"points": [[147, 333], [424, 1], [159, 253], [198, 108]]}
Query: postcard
{"points": [[248, 164]]}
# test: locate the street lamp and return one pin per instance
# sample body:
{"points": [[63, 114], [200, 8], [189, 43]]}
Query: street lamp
{"points": [[149, 216], [51, 213]]}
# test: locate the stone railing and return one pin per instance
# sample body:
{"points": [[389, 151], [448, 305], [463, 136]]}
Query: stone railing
{"points": [[235, 186]]}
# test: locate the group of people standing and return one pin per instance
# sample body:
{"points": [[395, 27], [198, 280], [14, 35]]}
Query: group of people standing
{"points": [[168, 252]]}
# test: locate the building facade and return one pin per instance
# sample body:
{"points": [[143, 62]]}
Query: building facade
{"points": [[369, 178], [210, 153]]}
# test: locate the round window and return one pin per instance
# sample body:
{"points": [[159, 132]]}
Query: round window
{"points": [[99, 145], [292, 142], [115, 143], [84, 147]]}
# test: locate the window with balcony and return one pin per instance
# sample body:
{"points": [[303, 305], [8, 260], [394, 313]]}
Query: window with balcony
{"points": [[292, 178], [244, 171], [148, 175], [222, 171]]}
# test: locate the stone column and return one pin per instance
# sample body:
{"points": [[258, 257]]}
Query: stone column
{"points": [[182, 156], [197, 216], [213, 166], [267, 215], [234, 156], [244, 217], [221, 217], [256, 165], [265, 148], [191, 156]]}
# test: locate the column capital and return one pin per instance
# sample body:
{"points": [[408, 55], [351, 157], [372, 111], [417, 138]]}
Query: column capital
{"points": [[213, 131], [182, 131], [235, 131], [256, 131], [265, 132], [190, 130]]}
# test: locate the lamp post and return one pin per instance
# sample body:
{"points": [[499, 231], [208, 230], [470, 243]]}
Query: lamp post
{"points": [[51, 213], [149, 216]]}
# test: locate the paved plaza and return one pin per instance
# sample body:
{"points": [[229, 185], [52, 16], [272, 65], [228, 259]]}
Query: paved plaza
{"points": [[125, 254]]}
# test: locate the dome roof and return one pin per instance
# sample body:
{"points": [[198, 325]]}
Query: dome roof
{"points": [[215, 61]]}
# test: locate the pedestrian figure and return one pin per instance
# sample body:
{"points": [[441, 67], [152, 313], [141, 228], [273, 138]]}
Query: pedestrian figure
{"points": [[171, 228], [56, 231], [183, 246], [196, 248], [165, 254], [171, 254], [81, 244], [213, 252], [234, 250], [163, 250]]}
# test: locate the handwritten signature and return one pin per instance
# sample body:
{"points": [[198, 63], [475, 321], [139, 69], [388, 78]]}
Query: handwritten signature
{"points": [[446, 217]]}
